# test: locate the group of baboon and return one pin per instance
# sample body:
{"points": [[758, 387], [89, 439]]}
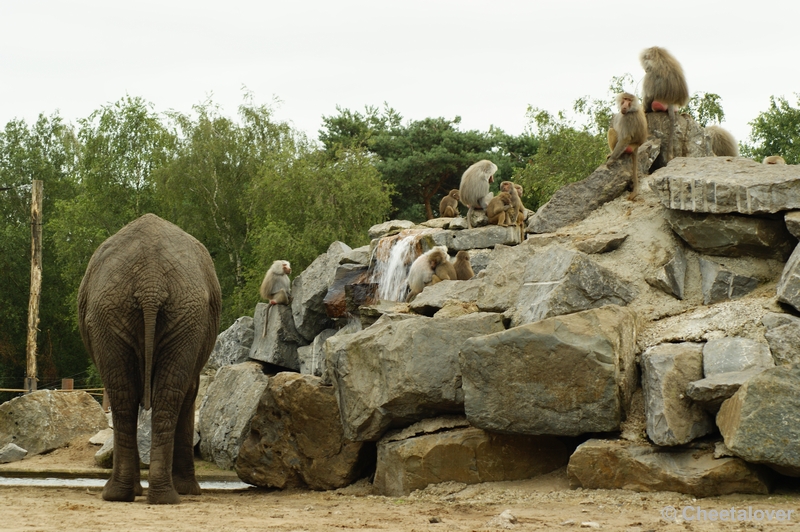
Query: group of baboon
{"points": [[664, 89]]}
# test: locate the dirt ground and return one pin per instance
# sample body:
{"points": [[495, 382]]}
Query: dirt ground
{"points": [[542, 503]]}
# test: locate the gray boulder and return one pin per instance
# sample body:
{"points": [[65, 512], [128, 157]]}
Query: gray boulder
{"points": [[310, 288], [720, 284], [227, 409], [280, 343], [566, 375], [712, 391], [671, 278], [46, 420], [789, 283], [761, 422], [723, 355], [672, 418], [478, 238], [444, 449], [733, 235], [296, 438], [392, 226], [312, 356], [12, 452], [400, 370], [618, 464], [561, 281], [783, 337], [792, 221], [603, 243], [233, 344], [727, 184], [574, 202]]}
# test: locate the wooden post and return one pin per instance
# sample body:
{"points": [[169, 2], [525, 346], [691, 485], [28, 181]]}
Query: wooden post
{"points": [[36, 283], [67, 384]]}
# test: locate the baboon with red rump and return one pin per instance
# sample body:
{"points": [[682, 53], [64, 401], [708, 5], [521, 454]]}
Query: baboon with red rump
{"points": [[474, 189], [664, 89], [628, 131]]}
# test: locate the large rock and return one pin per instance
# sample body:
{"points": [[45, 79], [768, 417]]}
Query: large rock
{"points": [[566, 375], [400, 370], [478, 238], [672, 418], [233, 344], [789, 283], [733, 235], [723, 355], [607, 464], [296, 438], [312, 356], [574, 202], [12, 452], [712, 391], [348, 274], [783, 337], [727, 184], [226, 411], [761, 422], [279, 344], [310, 288], [720, 284], [442, 450], [385, 228], [46, 420], [671, 278], [561, 281]]}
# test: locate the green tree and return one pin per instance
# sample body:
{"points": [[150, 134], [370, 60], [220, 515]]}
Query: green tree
{"points": [[566, 154], [775, 131], [45, 151], [352, 129], [705, 108]]}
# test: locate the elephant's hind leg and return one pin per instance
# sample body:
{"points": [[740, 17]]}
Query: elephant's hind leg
{"points": [[183, 476], [124, 483]]}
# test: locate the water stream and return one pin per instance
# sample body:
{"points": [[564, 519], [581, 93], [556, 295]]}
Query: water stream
{"points": [[393, 257]]}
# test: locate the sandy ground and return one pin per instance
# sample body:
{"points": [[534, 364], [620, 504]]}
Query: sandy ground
{"points": [[543, 503]]}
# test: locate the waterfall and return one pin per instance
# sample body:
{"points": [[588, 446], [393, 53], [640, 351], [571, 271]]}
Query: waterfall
{"points": [[393, 258]]}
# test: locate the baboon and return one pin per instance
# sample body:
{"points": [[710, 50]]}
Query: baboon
{"points": [[517, 212], [463, 266], [422, 270], [774, 159], [275, 287], [664, 88], [444, 271], [474, 189], [722, 142], [628, 131], [448, 207], [498, 210]]}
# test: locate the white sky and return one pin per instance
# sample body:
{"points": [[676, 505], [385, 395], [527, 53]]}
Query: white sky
{"points": [[485, 61]]}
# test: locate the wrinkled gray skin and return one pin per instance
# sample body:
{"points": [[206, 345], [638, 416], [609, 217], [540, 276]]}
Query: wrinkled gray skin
{"points": [[149, 311]]}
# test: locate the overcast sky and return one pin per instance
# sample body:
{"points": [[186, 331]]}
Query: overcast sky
{"points": [[483, 61]]}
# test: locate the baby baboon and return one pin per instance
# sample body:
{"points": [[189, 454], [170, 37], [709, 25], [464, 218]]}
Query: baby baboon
{"points": [[664, 88], [444, 271], [722, 142], [448, 207], [422, 270], [628, 131], [474, 189], [774, 159], [499, 210], [517, 212], [463, 266], [275, 287]]}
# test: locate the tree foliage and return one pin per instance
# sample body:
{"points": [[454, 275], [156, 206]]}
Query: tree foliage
{"points": [[775, 131]]}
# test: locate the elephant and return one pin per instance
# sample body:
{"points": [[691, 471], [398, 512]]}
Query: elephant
{"points": [[149, 311]]}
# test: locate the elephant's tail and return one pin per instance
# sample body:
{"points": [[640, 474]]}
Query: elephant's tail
{"points": [[150, 314]]}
